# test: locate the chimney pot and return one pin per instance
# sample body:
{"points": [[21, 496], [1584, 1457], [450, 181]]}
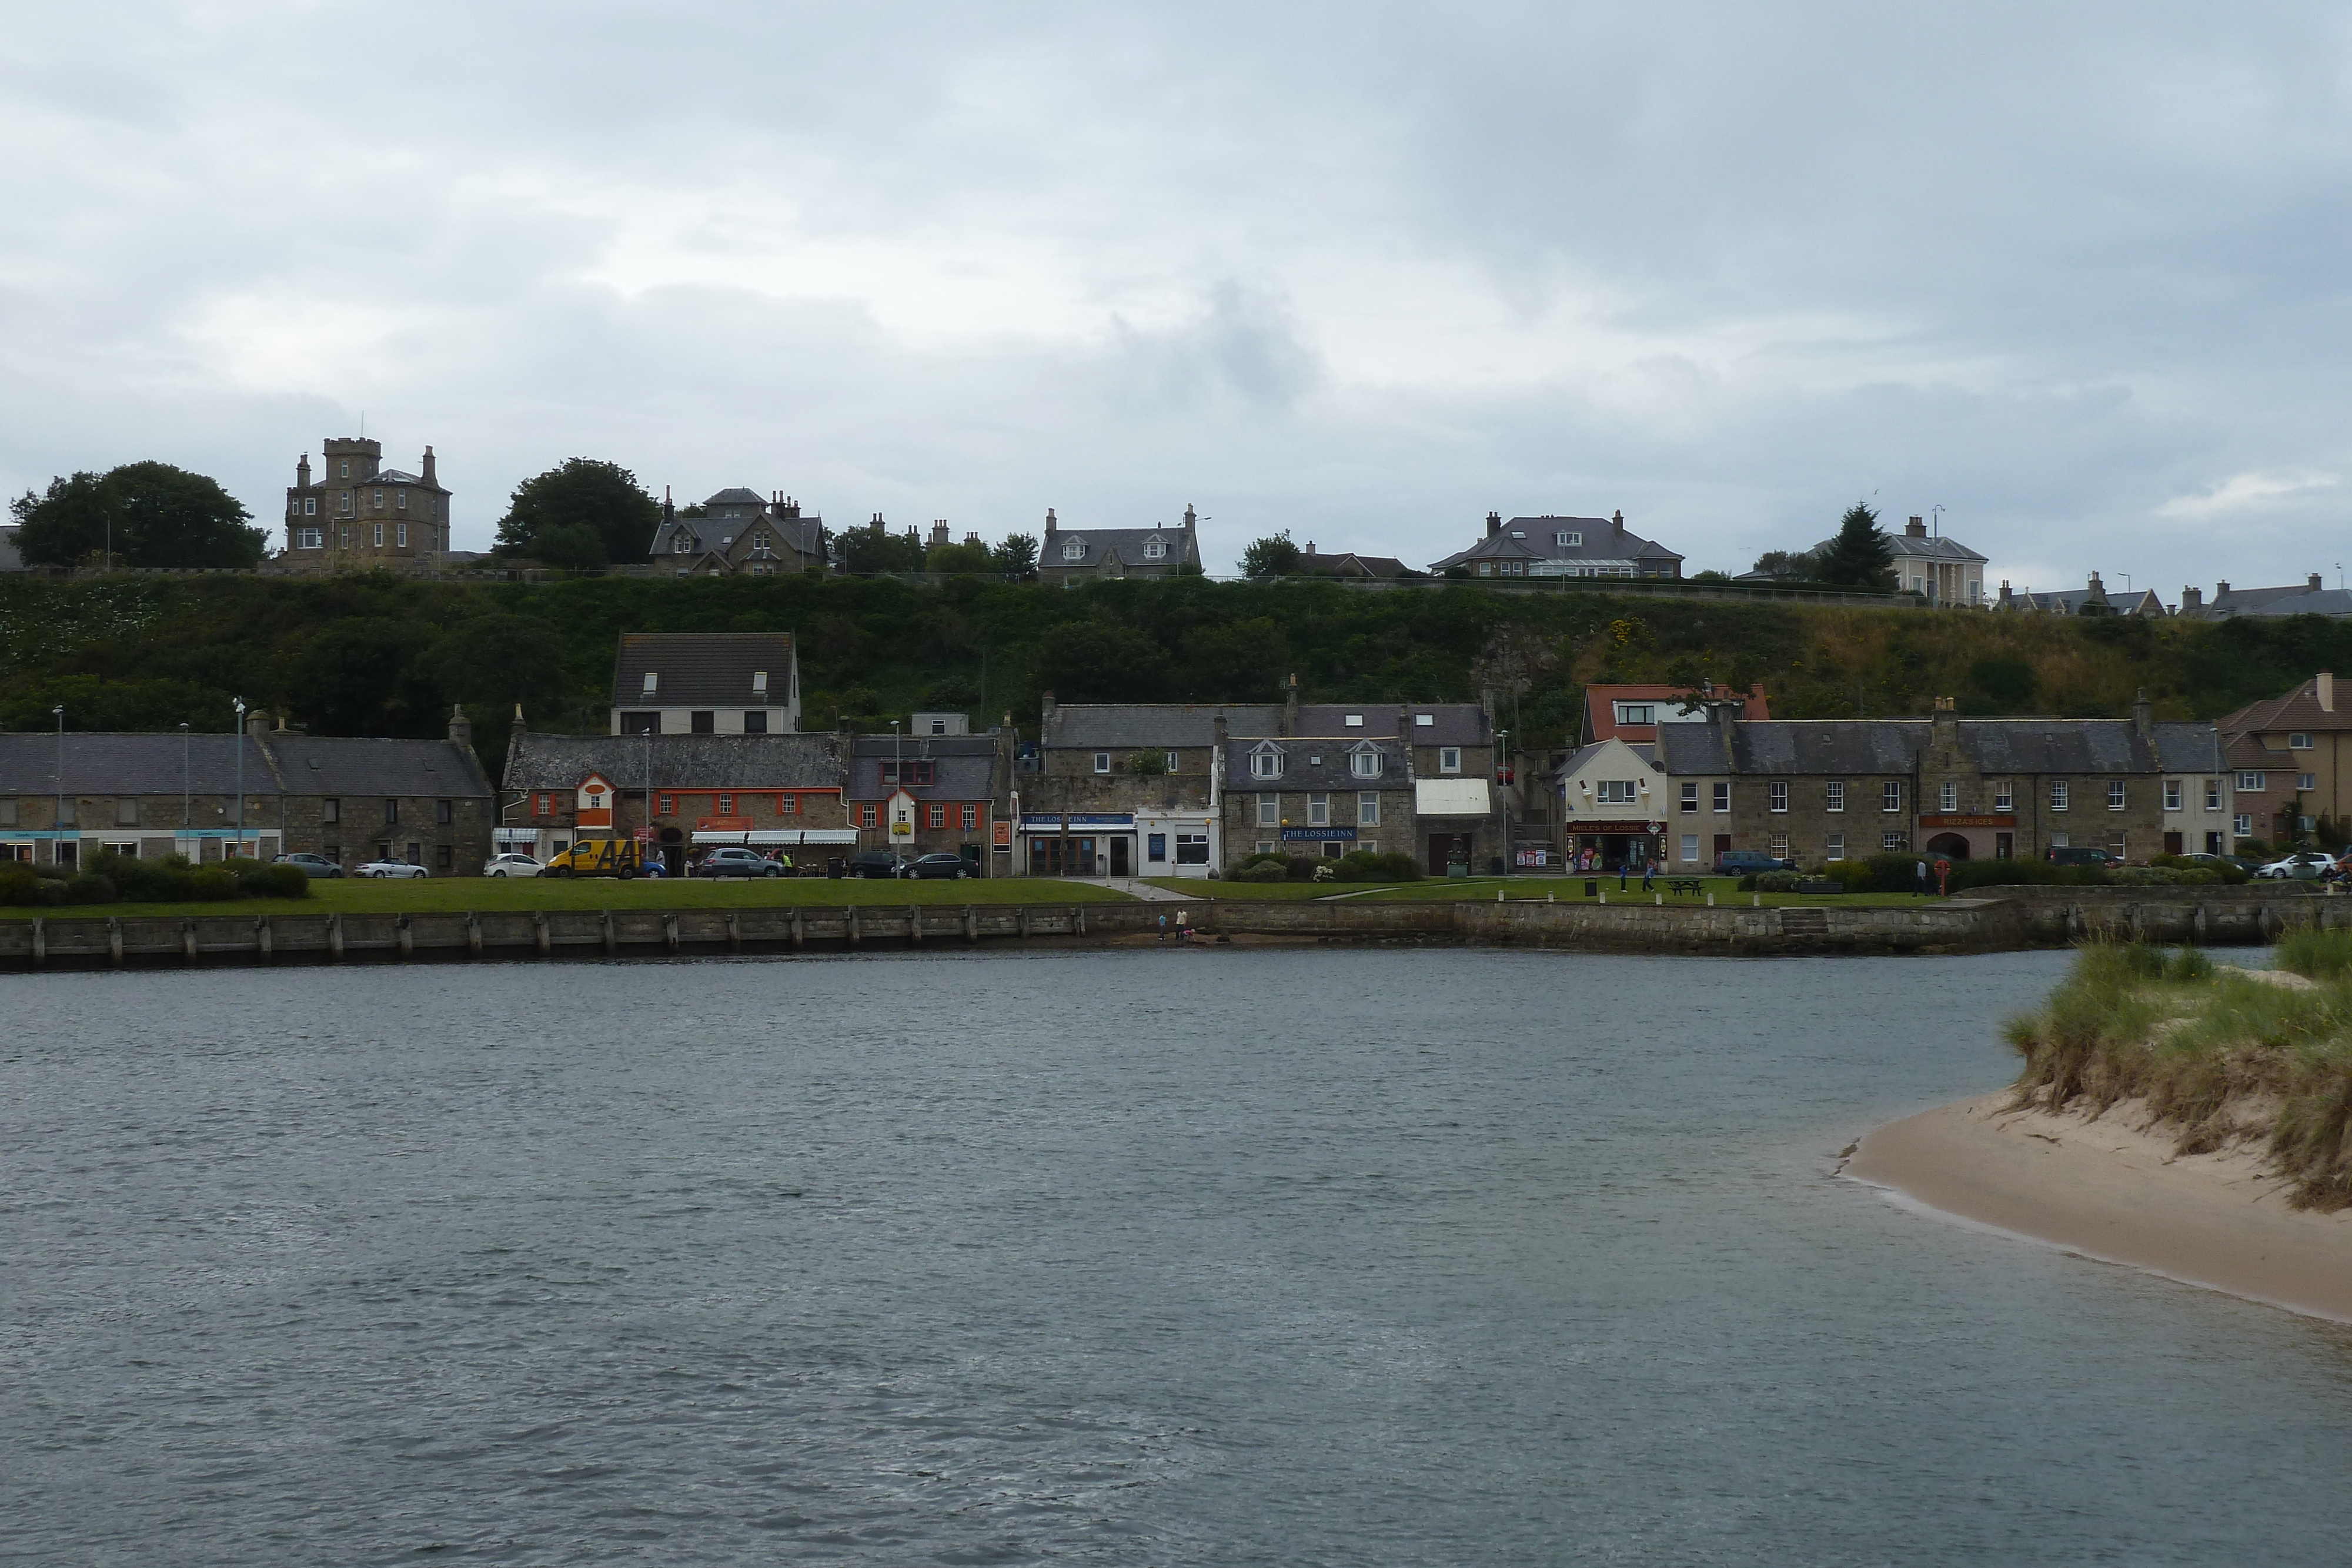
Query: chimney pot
{"points": [[2314, 581], [2324, 685], [1916, 528], [1493, 523]]}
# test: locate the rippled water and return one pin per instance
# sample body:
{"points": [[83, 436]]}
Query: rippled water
{"points": [[1206, 1257]]}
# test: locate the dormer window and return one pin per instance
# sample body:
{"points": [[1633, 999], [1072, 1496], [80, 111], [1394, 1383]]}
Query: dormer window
{"points": [[1074, 549], [762, 540], [681, 542], [1566, 540], [1365, 763], [1155, 549], [1266, 763]]}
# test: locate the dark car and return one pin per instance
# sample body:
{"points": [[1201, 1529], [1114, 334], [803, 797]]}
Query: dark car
{"points": [[1746, 862], [730, 860], [2080, 854], [938, 865], [878, 863], [313, 866]]}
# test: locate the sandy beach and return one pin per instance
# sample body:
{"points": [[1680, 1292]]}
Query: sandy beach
{"points": [[2106, 1190]]}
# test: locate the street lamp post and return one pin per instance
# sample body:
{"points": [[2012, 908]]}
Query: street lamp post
{"points": [[1503, 748], [240, 776], [649, 792], [187, 809], [57, 806]]}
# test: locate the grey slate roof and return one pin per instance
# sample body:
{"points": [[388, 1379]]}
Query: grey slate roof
{"points": [[2299, 600], [702, 669], [1538, 538], [112, 764], [1130, 545], [1936, 547], [753, 762], [340, 765], [2185, 746], [1456, 724], [1319, 763], [735, 512], [966, 766], [1086, 727], [1853, 748]]}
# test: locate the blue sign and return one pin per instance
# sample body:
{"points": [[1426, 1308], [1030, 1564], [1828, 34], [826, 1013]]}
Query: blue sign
{"points": [[1053, 823], [1319, 835]]}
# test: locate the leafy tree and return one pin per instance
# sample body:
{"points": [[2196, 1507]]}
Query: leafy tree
{"points": [[959, 557], [1861, 556], [873, 550], [1272, 557], [1102, 662], [558, 513], [142, 514], [1791, 565], [1017, 558]]}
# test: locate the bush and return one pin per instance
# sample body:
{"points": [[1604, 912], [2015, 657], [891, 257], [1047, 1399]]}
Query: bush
{"points": [[89, 887], [1773, 881], [211, 885], [1266, 869], [258, 880], [20, 888], [1363, 865], [1302, 868]]}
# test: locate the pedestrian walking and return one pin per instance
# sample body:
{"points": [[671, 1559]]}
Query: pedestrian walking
{"points": [[1648, 870], [1920, 874]]}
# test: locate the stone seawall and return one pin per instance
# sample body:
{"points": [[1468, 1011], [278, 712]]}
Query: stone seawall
{"points": [[2005, 920]]}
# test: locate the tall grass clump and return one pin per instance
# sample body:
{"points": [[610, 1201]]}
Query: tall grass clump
{"points": [[2217, 1055]]}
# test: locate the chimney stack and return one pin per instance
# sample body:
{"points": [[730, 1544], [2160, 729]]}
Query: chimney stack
{"points": [[257, 723], [1493, 523], [1290, 706], [1050, 524], [939, 532], [302, 472], [2324, 685], [2144, 716], [2314, 581], [1190, 516], [427, 471], [519, 726], [2192, 598], [2222, 590], [461, 728], [1916, 528], [2005, 601]]}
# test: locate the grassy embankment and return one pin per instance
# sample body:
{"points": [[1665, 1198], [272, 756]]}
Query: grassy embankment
{"points": [[2210, 1054], [1565, 889], [459, 895]]}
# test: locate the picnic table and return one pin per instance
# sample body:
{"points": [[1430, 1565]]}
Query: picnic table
{"points": [[1689, 884]]}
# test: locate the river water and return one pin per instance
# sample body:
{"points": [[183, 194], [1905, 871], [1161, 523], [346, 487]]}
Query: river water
{"points": [[1207, 1257]]}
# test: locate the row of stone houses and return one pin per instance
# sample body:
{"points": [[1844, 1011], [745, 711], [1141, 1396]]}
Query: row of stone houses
{"points": [[264, 792]]}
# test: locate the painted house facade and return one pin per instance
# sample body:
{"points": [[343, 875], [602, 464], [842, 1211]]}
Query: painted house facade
{"points": [[715, 682], [934, 793], [677, 792], [2290, 760]]}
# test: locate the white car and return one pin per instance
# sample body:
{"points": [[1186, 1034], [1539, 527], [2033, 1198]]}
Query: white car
{"points": [[2307, 866], [513, 865], [390, 868]]}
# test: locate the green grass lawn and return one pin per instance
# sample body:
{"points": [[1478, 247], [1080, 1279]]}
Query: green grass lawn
{"points": [[1566, 889], [457, 895]]}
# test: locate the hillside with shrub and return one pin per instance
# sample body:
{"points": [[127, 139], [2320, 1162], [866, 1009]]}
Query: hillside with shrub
{"points": [[381, 655]]}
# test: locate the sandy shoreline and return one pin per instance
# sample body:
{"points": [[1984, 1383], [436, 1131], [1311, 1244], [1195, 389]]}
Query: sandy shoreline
{"points": [[2108, 1191]]}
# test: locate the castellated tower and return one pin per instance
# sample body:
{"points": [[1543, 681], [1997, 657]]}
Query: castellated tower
{"points": [[356, 515]]}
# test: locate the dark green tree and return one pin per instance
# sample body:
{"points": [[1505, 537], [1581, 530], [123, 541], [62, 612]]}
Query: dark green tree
{"points": [[871, 550], [141, 514], [1272, 557], [959, 557], [560, 512], [1017, 558], [1860, 557]]}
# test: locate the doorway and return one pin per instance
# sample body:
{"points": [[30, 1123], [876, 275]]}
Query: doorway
{"points": [[1122, 853], [1951, 846]]}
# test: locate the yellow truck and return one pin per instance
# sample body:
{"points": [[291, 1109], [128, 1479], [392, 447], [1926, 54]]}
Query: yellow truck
{"points": [[623, 858]]}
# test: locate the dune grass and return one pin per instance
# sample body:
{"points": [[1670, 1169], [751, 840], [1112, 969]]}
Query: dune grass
{"points": [[2219, 1056], [457, 895]]}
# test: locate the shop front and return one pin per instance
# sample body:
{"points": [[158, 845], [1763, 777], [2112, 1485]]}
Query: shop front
{"points": [[1606, 844], [1080, 843]]}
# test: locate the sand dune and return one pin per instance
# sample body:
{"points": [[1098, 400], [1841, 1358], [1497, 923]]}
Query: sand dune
{"points": [[2106, 1189]]}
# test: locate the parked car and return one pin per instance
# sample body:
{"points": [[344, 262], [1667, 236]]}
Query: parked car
{"points": [[2080, 854], [731, 860], [941, 864], [1746, 863], [390, 868], [313, 866], [512, 865], [2304, 865], [878, 863]]}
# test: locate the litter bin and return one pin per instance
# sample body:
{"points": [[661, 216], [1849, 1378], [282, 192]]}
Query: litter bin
{"points": [[835, 868], [1592, 887], [1494, 865], [1457, 868]]}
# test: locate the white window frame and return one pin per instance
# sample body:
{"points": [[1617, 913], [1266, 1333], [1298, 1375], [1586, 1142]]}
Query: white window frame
{"points": [[1155, 549], [400, 500], [1170, 759], [2004, 797], [1894, 843], [1947, 795], [1690, 795], [2298, 740], [1637, 712], [2118, 795], [1269, 810], [1723, 797], [2058, 793], [1425, 720], [1890, 795], [1776, 797], [1568, 541], [1318, 810], [1265, 764], [1102, 761], [400, 534], [1616, 792], [310, 506], [1365, 763], [1835, 848], [1690, 849], [1834, 795], [2212, 794], [379, 536], [311, 539], [2242, 825], [2253, 780], [1368, 809], [2306, 781], [1449, 760], [2173, 796], [1074, 549]]}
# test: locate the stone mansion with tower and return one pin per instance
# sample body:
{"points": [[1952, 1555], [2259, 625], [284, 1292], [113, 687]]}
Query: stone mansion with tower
{"points": [[355, 515]]}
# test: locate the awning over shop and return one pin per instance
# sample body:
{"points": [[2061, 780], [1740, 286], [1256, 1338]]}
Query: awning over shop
{"points": [[1451, 797], [787, 838]]}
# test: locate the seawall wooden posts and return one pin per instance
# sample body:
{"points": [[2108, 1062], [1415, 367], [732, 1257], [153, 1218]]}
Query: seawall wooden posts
{"points": [[2002, 921]]}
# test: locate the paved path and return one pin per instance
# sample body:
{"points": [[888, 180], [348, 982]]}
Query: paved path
{"points": [[1137, 888]]}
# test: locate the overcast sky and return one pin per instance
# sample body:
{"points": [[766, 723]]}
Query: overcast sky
{"points": [[2075, 274]]}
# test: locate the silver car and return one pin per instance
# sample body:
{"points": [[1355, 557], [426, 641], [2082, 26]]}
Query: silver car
{"points": [[390, 868], [513, 865]]}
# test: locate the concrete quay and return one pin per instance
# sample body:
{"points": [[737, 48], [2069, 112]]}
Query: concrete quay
{"points": [[2000, 920]]}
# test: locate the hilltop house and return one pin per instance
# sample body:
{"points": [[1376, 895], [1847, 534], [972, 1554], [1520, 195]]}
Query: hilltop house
{"points": [[2305, 598], [1562, 547], [1348, 563], [2094, 600], [1086, 555], [359, 516], [1942, 570], [738, 533], [706, 683]]}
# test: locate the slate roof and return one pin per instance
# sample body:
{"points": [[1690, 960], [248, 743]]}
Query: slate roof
{"points": [[1602, 541], [1348, 563], [2302, 598], [1853, 748], [794, 530], [1319, 762], [1097, 545], [98, 763], [2189, 747], [1453, 724], [2299, 709], [702, 669], [752, 762], [1925, 546], [343, 765], [966, 766], [1108, 726]]}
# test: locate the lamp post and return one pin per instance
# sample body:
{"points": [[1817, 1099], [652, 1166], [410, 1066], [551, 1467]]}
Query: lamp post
{"points": [[1503, 750], [187, 808], [57, 806], [240, 776], [649, 790]]}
